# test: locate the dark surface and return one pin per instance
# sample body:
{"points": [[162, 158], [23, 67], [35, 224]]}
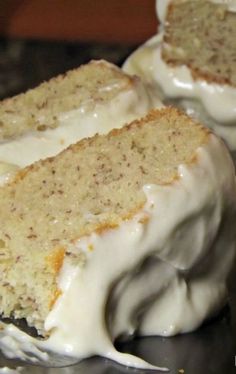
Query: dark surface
{"points": [[209, 350]]}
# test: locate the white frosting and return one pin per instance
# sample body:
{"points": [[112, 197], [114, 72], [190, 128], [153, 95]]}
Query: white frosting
{"points": [[218, 100], [176, 82], [161, 277], [128, 105], [195, 109], [161, 9]]}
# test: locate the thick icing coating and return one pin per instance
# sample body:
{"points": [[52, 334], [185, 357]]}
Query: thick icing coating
{"points": [[168, 258], [161, 9]]}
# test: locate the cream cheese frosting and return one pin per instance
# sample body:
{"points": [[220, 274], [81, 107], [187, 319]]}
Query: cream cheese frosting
{"points": [[217, 103], [165, 272], [161, 9]]}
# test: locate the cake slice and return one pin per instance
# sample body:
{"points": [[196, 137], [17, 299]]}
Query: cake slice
{"points": [[96, 238], [207, 46], [191, 61], [96, 97]]}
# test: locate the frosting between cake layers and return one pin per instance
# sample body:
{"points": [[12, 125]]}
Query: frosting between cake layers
{"points": [[86, 121], [160, 273]]}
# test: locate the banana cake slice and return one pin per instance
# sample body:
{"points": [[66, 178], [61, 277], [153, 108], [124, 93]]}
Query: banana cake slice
{"points": [[192, 61], [208, 26], [124, 232], [94, 98]]}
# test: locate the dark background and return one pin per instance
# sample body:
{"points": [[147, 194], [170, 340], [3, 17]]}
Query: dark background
{"points": [[40, 39]]}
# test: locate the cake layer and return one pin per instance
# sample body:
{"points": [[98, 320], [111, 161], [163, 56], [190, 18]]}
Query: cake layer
{"points": [[201, 35], [114, 231]]}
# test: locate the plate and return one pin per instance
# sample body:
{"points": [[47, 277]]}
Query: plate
{"points": [[209, 350]]}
